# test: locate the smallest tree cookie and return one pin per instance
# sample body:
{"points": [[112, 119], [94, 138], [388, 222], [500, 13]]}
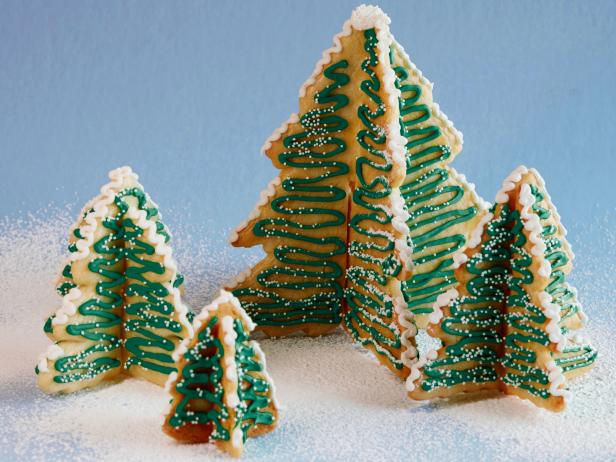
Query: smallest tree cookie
{"points": [[510, 322], [221, 392]]}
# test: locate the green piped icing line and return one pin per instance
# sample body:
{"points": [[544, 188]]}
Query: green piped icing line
{"points": [[433, 205], [253, 390], [371, 306], [476, 319], [201, 381], [122, 270], [316, 151]]}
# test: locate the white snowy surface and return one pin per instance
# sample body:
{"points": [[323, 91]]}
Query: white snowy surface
{"points": [[338, 403]]}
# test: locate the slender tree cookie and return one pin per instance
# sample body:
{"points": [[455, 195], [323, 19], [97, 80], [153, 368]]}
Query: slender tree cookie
{"points": [[222, 392], [121, 310], [509, 324], [333, 223], [443, 207]]}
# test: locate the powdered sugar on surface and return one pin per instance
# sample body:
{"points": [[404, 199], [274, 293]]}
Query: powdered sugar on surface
{"points": [[338, 403]]}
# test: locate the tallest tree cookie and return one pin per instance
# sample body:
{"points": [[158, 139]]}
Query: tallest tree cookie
{"points": [[333, 223]]}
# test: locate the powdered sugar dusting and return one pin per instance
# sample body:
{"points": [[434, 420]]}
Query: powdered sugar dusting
{"points": [[339, 403]]}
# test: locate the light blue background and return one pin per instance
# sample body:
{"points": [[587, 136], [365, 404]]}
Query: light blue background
{"points": [[186, 93]]}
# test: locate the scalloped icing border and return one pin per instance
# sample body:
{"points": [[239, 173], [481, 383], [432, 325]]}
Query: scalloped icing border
{"points": [[446, 123]]}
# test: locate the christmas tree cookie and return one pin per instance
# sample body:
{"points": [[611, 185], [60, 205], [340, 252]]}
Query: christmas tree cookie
{"points": [[510, 322], [122, 311], [333, 223], [221, 393], [443, 207]]}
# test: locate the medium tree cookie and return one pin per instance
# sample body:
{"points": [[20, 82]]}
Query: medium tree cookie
{"points": [[509, 324], [121, 310], [222, 392]]}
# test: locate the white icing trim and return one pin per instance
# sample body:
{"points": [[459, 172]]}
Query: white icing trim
{"points": [[469, 187], [509, 183], [416, 369], [475, 237], [555, 214], [171, 380], [365, 17], [68, 307], [119, 177], [237, 437], [459, 258], [368, 17], [434, 318], [551, 310], [259, 352], [162, 248], [233, 283], [53, 352], [209, 310], [99, 206], [557, 380], [264, 197], [400, 216], [181, 349], [532, 224], [409, 331], [436, 110], [442, 301], [230, 334], [293, 118]]}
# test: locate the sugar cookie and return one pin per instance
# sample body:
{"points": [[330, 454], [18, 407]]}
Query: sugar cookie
{"points": [[509, 324], [222, 392], [121, 310], [333, 223]]}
